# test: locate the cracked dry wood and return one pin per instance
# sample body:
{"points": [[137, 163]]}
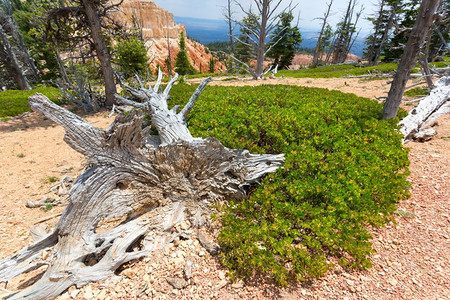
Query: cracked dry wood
{"points": [[423, 116], [151, 183]]}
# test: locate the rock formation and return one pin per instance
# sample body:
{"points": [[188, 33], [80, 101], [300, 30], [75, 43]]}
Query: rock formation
{"points": [[159, 30]]}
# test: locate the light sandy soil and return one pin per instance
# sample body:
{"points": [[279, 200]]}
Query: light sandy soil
{"points": [[371, 89], [412, 259]]}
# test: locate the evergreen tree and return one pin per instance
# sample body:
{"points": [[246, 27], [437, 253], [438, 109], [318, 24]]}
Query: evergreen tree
{"points": [[383, 23], [132, 57], [212, 64], [441, 33], [284, 40], [406, 16], [407, 13], [182, 64], [245, 51]]}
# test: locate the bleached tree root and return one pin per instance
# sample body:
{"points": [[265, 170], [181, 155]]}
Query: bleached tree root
{"points": [[419, 120], [148, 183]]}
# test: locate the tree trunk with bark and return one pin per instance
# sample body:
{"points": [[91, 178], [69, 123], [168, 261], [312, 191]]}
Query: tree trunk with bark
{"points": [[317, 50], [12, 64], [415, 42], [19, 39], [95, 27], [151, 183]]}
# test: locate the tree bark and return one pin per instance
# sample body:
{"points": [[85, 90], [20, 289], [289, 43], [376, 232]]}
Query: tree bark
{"points": [[153, 183], [386, 33], [11, 62], [317, 51], [418, 36], [419, 117], [101, 49], [18, 37]]}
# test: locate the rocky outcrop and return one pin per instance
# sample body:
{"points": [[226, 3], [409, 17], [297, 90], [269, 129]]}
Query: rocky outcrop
{"points": [[161, 33]]}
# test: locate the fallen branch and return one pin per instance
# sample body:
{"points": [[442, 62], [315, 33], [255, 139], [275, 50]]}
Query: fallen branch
{"points": [[152, 183], [428, 108]]}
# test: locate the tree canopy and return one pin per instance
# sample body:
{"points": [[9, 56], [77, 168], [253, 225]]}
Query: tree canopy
{"points": [[284, 41]]}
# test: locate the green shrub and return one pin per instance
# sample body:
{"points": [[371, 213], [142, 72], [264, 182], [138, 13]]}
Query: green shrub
{"points": [[132, 57], [344, 170], [418, 91], [334, 71], [15, 102]]}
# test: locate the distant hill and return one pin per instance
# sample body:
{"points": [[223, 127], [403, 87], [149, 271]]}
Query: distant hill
{"points": [[207, 31]]}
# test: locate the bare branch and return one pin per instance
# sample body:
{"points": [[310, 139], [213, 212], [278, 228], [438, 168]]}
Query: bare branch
{"points": [[158, 81], [170, 85], [188, 107]]}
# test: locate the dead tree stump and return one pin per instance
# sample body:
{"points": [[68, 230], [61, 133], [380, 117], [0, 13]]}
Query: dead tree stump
{"points": [[151, 182]]}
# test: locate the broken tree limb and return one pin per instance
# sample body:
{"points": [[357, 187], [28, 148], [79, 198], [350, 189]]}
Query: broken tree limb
{"points": [[150, 183], [418, 116]]}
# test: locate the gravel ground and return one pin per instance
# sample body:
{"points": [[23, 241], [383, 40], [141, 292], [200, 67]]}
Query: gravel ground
{"points": [[411, 260]]}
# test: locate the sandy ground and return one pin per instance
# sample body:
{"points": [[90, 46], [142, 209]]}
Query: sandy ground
{"points": [[412, 259], [371, 89]]}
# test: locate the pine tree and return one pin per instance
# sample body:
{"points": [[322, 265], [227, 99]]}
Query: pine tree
{"points": [[244, 49], [406, 16], [383, 23], [182, 64], [284, 40], [212, 65]]}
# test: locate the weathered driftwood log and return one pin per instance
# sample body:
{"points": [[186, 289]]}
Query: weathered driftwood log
{"points": [[152, 183], [416, 124]]}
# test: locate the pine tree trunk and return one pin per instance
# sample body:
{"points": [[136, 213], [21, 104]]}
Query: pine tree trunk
{"points": [[101, 49], [418, 36], [317, 51], [11, 62]]}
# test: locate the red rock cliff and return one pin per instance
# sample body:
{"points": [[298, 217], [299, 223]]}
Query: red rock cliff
{"points": [[160, 33]]}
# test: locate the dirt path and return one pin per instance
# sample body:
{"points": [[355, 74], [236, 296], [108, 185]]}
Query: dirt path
{"points": [[370, 89], [412, 259]]}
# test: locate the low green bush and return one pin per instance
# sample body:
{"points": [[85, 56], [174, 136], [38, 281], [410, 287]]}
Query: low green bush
{"points": [[345, 170], [15, 102], [201, 75], [334, 71], [418, 91]]}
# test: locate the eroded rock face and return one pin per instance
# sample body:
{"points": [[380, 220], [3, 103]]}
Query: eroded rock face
{"points": [[160, 33]]}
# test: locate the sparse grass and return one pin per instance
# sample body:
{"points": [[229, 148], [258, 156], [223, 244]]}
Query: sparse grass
{"points": [[230, 79], [201, 75], [51, 179], [48, 206], [334, 71], [21, 155], [418, 91], [5, 119], [405, 214], [15, 102]]}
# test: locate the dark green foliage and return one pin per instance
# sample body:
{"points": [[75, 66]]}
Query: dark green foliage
{"points": [[304, 50], [407, 14], [406, 17], [211, 67], [182, 64], [219, 46], [418, 91], [30, 17], [344, 170], [15, 102], [131, 56], [244, 49], [382, 22], [339, 71], [284, 40], [443, 26]]}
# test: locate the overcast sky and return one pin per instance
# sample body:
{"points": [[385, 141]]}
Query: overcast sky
{"points": [[213, 9]]}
